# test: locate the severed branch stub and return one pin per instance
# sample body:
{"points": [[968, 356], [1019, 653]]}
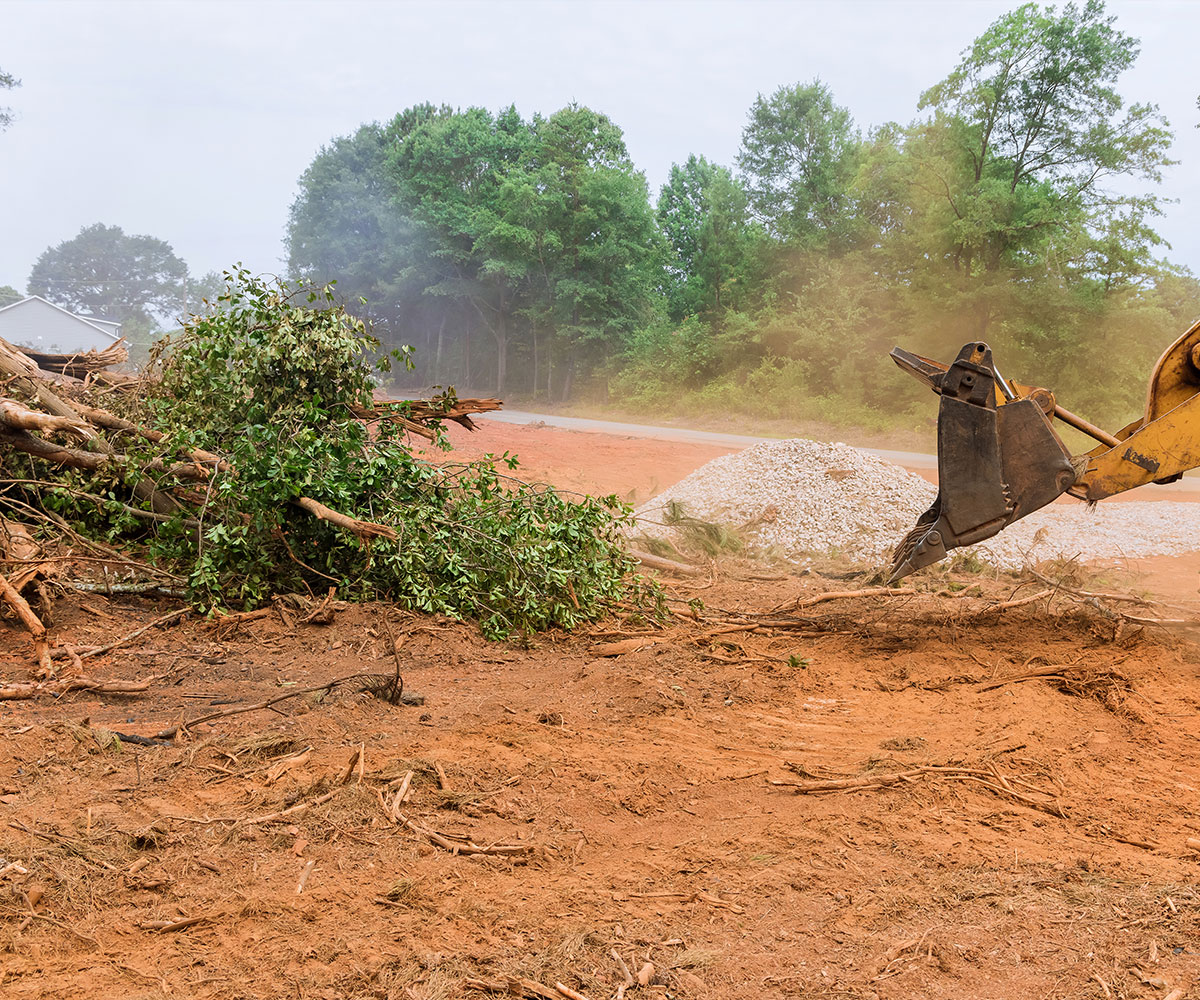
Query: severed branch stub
{"points": [[25, 691], [363, 529], [33, 624]]}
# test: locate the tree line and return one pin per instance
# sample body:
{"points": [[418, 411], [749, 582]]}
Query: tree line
{"points": [[527, 256]]}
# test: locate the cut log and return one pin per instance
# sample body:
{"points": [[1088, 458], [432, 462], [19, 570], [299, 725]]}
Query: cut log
{"points": [[78, 365], [57, 453], [110, 421], [75, 458], [21, 418], [458, 410], [31, 379]]}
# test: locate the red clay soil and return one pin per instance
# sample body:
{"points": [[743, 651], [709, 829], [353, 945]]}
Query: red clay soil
{"points": [[639, 468], [638, 789]]}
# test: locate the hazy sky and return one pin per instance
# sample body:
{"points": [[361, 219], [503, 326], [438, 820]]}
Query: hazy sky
{"points": [[192, 121]]}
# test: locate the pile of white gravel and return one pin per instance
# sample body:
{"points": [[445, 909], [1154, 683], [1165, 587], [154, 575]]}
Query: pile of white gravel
{"points": [[803, 498]]}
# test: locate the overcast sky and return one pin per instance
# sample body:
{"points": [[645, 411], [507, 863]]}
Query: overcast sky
{"points": [[191, 121]]}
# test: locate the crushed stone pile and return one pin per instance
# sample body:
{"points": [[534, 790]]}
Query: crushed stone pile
{"points": [[801, 498]]}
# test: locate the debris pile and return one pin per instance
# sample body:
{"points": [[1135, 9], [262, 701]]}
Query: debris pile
{"points": [[253, 457], [59, 416]]}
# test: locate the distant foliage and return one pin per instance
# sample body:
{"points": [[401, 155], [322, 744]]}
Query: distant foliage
{"points": [[104, 272], [7, 82], [1018, 207]]}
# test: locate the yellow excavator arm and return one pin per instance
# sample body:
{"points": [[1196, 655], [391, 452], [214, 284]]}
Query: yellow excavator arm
{"points": [[1000, 458]]}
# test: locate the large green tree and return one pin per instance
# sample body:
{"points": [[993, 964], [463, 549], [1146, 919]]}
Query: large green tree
{"points": [[104, 272], [713, 244], [348, 224], [798, 156], [1013, 168], [450, 170], [480, 237], [593, 237]]}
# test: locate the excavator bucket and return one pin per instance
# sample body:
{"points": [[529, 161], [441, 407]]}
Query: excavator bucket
{"points": [[996, 463]]}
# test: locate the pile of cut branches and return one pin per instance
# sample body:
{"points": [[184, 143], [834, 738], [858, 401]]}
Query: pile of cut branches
{"points": [[252, 458]]}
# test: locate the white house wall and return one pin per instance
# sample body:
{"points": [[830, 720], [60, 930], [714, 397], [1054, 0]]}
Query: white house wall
{"points": [[37, 324]]}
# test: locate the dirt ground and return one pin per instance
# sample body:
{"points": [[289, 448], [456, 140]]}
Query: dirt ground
{"points": [[859, 798]]}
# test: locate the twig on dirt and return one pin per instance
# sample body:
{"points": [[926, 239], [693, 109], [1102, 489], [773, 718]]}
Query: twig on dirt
{"points": [[75, 847], [34, 915], [1044, 674], [290, 811], [304, 876], [61, 652], [170, 926], [629, 980], [398, 800], [845, 595], [458, 846], [689, 897], [1064, 586], [569, 993], [513, 987], [442, 780], [397, 687], [664, 565], [1019, 602], [370, 683], [887, 779]]}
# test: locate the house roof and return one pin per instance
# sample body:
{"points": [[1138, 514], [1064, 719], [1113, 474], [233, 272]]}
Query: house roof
{"points": [[81, 319]]}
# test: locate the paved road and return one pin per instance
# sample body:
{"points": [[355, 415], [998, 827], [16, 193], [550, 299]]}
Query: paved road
{"points": [[908, 459]]}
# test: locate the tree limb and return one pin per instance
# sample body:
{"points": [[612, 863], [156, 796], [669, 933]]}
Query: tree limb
{"points": [[363, 529]]}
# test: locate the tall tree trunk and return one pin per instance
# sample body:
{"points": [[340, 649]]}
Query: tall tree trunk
{"points": [[500, 332], [437, 360], [466, 379], [570, 378], [535, 361]]}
